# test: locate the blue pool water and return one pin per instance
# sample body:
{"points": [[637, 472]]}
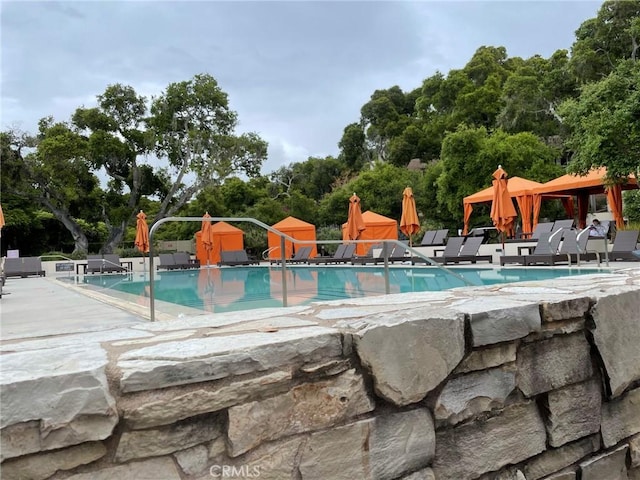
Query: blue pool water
{"points": [[244, 288]]}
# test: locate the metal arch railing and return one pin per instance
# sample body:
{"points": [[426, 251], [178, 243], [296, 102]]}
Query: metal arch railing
{"points": [[283, 238]]}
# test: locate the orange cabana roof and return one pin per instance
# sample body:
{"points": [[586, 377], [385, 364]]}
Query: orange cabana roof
{"points": [[296, 228], [593, 182], [223, 228], [378, 227], [225, 237], [584, 185], [517, 187]]}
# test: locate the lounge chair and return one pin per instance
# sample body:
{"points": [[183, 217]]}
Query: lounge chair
{"points": [[94, 263], [184, 261], [167, 262], [547, 245], [234, 258], [112, 264], [440, 237], [109, 263], [562, 224], [452, 248], [23, 267], [32, 266], [624, 245], [468, 253], [543, 247], [13, 267], [301, 256], [397, 253], [337, 255], [569, 252], [427, 240], [347, 255], [544, 227]]}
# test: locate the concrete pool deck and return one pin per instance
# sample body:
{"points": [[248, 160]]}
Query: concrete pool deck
{"points": [[38, 307]]}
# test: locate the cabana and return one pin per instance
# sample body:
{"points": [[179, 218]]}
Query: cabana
{"points": [[583, 186], [225, 237], [522, 190], [378, 227], [298, 229]]}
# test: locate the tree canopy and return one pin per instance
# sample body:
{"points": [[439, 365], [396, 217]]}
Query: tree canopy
{"points": [[179, 153]]}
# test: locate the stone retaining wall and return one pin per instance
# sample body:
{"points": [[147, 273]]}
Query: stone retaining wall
{"points": [[537, 380]]}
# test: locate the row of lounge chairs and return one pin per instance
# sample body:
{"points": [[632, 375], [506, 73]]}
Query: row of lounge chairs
{"points": [[571, 247], [434, 237], [177, 261], [107, 263], [235, 258], [23, 267]]}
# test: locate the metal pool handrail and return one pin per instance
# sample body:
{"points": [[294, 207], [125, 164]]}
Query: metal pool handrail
{"points": [[283, 238]]}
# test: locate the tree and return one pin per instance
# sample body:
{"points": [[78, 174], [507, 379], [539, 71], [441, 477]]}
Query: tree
{"points": [[602, 42], [191, 129], [604, 123], [353, 147], [56, 176], [471, 155]]}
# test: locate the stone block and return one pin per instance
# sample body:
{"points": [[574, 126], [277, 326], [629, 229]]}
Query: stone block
{"points": [[193, 460], [620, 418], [270, 461], [376, 448], [205, 359], [573, 412], [634, 451], [409, 356], [467, 395], [150, 469], [569, 475], [209, 398], [43, 465], [565, 309], [63, 392], [610, 465], [499, 319], [555, 459], [467, 451], [20, 439], [169, 439], [617, 335], [553, 363], [424, 474], [506, 474], [633, 474], [485, 358], [306, 407]]}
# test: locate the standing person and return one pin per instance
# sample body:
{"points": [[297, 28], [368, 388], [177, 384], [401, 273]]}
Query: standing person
{"points": [[596, 229]]}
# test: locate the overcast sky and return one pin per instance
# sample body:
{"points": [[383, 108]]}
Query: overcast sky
{"points": [[296, 72]]}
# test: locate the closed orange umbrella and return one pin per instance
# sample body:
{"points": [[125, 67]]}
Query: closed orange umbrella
{"points": [[355, 222], [142, 233], [1, 218], [503, 213], [206, 234], [409, 223]]}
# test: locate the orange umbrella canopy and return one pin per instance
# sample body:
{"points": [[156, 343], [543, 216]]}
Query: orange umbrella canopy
{"points": [[503, 213], [355, 223], [519, 187], [142, 233], [409, 223]]}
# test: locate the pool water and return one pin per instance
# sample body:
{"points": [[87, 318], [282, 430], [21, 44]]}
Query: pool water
{"points": [[245, 288]]}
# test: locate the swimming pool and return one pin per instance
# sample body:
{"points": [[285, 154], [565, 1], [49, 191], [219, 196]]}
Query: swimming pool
{"points": [[245, 288]]}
